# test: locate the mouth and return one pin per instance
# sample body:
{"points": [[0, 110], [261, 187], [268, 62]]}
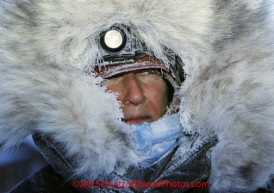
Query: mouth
{"points": [[137, 120]]}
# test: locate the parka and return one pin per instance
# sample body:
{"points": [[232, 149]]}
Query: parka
{"points": [[49, 48]]}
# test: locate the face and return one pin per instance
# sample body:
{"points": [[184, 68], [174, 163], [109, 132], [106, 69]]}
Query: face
{"points": [[143, 95]]}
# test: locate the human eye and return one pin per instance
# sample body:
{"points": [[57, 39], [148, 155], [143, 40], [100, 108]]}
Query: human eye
{"points": [[150, 72], [114, 80]]}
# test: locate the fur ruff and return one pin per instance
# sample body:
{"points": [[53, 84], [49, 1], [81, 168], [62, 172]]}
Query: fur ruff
{"points": [[48, 47]]}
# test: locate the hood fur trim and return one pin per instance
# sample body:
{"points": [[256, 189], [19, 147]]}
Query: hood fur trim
{"points": [[227, 49], [73, 110]]}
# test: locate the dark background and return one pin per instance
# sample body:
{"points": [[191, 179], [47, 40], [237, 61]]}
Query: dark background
{"points": [[18, 164]]}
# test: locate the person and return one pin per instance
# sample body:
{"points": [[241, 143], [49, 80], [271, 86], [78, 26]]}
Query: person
{"points": [[140, 96]]}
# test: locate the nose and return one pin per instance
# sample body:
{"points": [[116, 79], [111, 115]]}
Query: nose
{"points": [[134, 92]]}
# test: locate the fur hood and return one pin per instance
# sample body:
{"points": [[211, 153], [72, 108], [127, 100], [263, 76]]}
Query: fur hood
{"points": [[48, 49]]}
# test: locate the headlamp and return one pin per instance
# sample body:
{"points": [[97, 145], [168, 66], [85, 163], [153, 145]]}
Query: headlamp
{"points": [[118, 43], [113, 40]]}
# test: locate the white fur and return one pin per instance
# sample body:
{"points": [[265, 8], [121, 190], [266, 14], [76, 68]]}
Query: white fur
{"points": [[227, 49], [72, 109]]}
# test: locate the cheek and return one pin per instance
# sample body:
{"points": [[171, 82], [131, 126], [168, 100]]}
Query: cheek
{"points": [[113, 87], [157, 97]]}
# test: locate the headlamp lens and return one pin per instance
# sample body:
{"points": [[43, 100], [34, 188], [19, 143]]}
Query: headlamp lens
{"points": [[113, 39]]}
